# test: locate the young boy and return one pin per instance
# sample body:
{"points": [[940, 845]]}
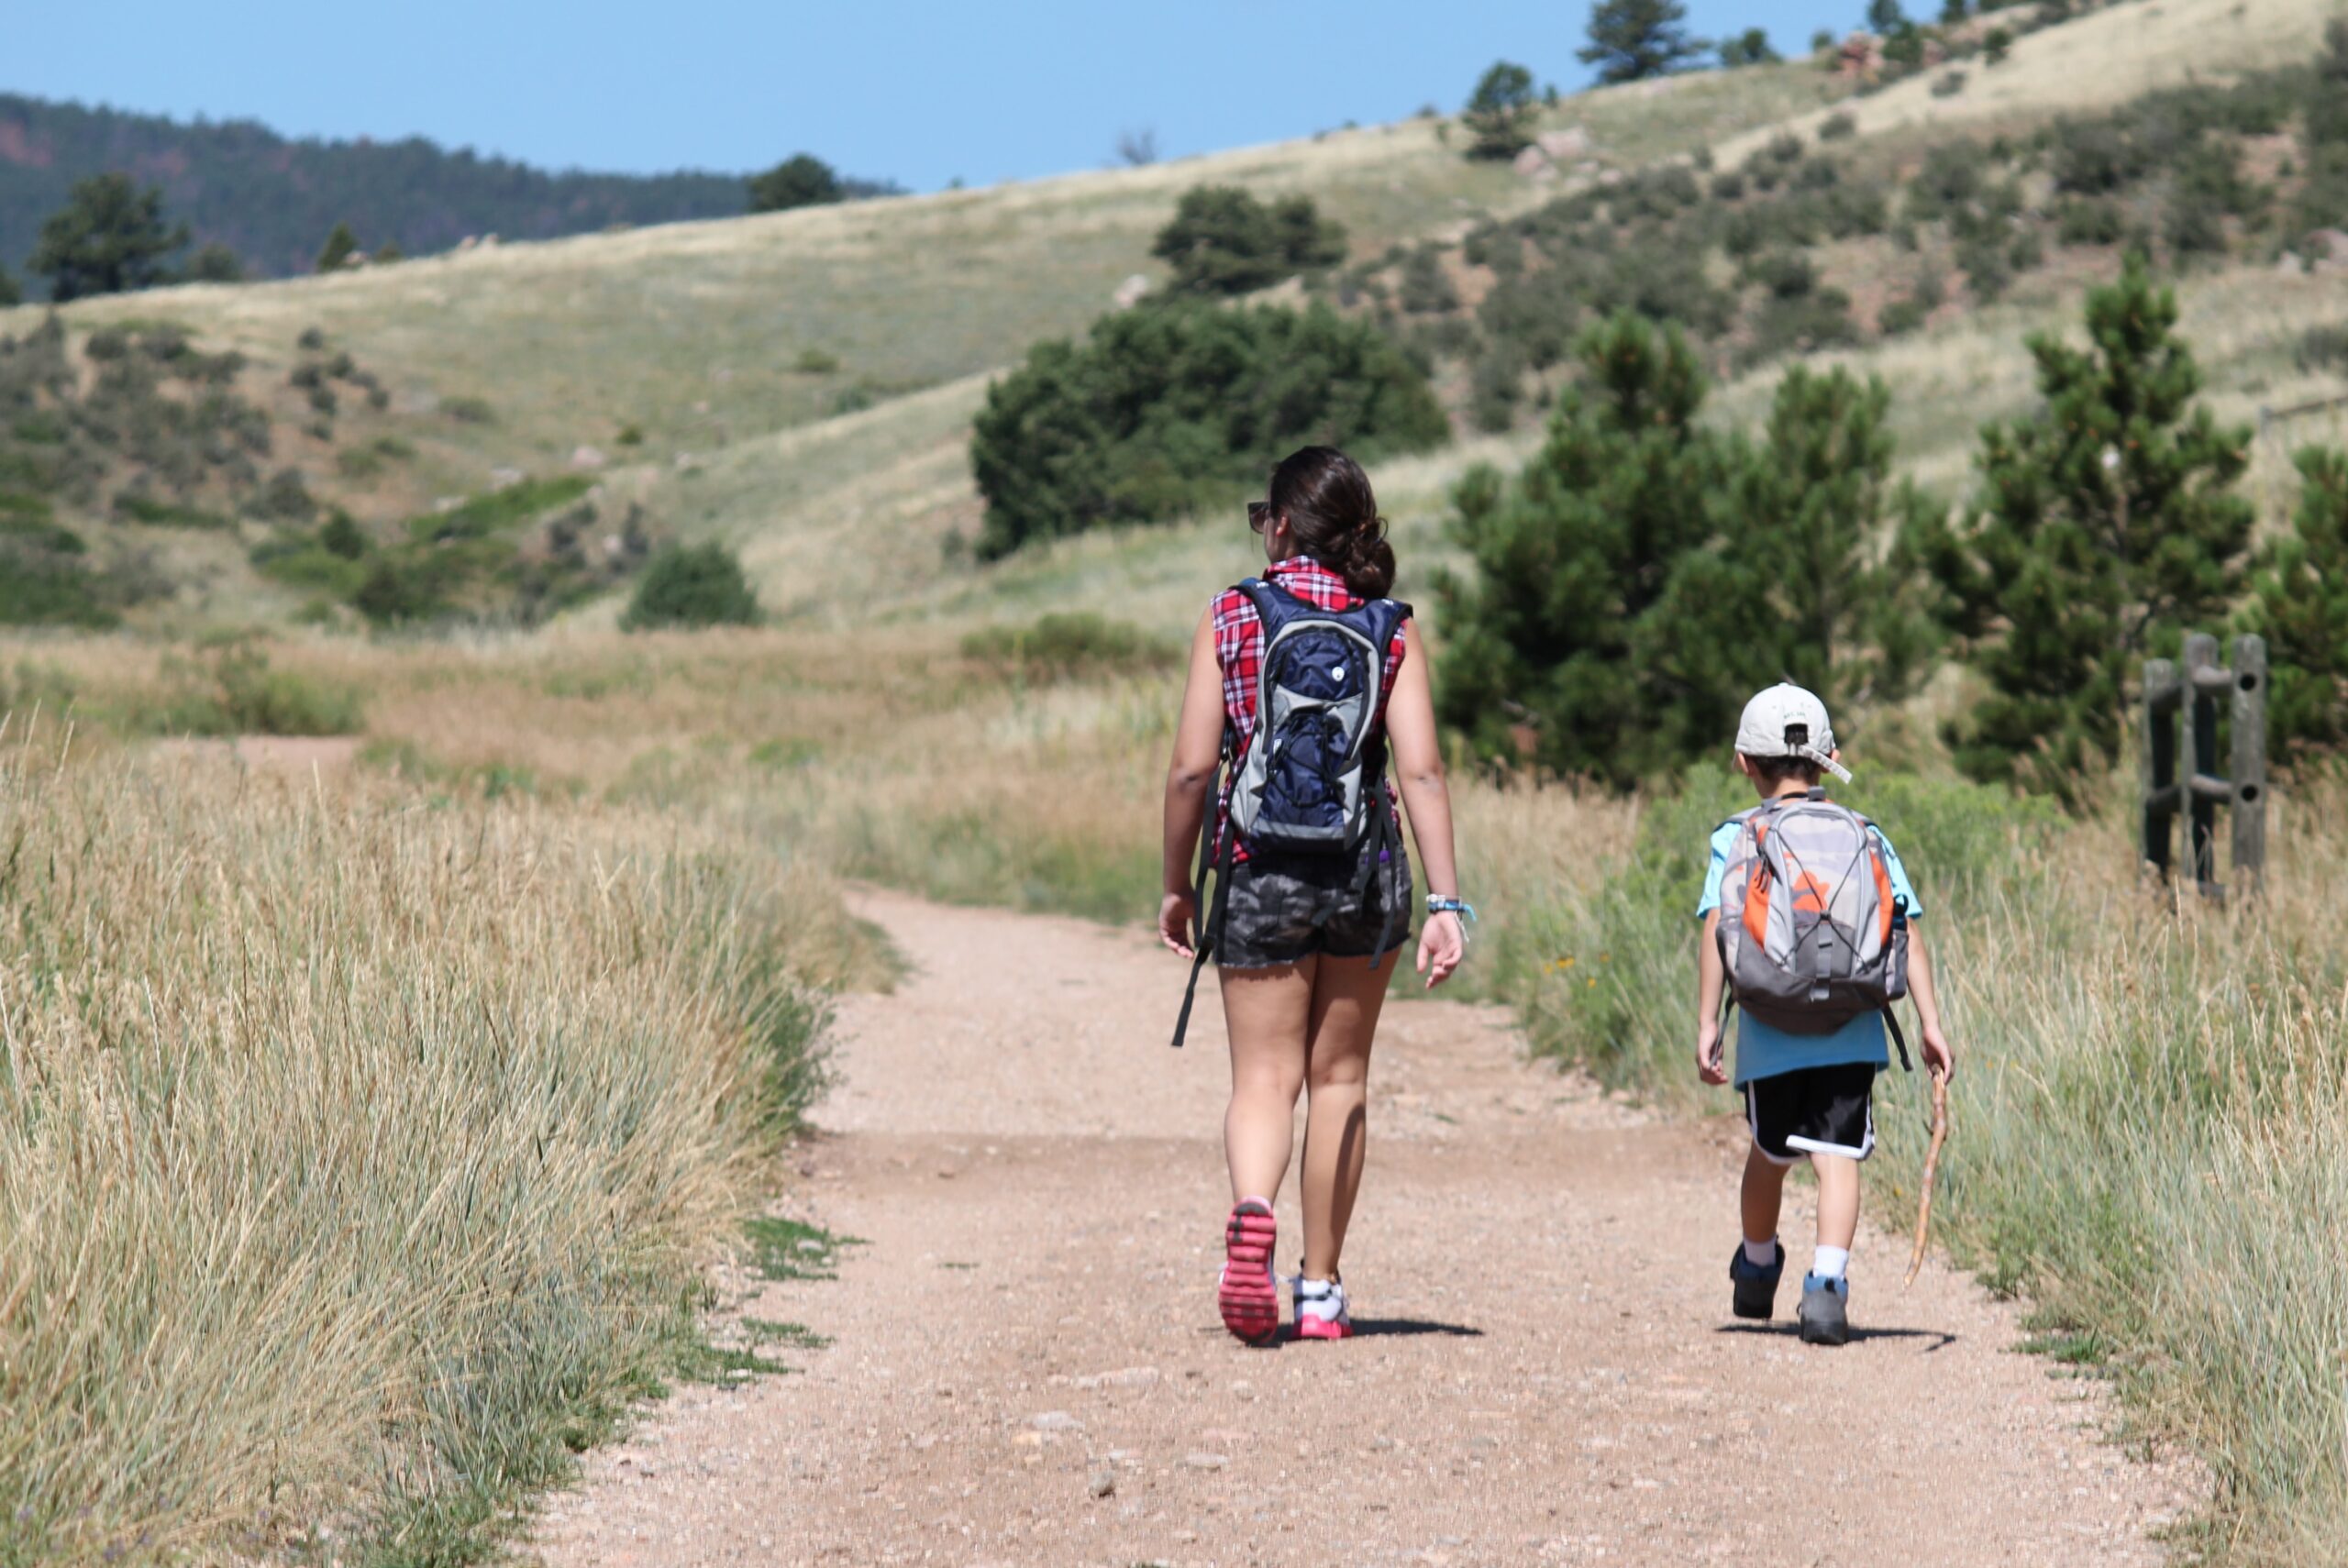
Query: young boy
{"points": [[1805, 1094]]}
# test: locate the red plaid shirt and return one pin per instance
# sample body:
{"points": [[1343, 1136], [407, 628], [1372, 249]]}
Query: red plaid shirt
{"points": [[1239, 651]]}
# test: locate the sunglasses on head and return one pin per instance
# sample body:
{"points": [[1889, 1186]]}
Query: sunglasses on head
{"points": [[1258, 513]]}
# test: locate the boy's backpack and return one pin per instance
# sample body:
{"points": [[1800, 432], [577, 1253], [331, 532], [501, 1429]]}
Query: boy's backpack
{"points": [[1310, 780], [1811, 934]]}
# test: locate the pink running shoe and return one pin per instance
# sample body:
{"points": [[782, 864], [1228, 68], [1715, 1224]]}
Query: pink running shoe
{"points": [[1321, 1310], [1248, 1295]]}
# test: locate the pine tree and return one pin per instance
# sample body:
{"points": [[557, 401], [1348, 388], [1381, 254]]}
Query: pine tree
{"points": [[2107, 526], [1645, 574], [1307, 241], [340, 246], [1806, 509], [1750, 47], [1221, 241], [691, 586], [2299, 604], [214, 263], [802, 180], [108, 238], [10, 293], [1632, 40], [1573, 556], [1500, 112]]}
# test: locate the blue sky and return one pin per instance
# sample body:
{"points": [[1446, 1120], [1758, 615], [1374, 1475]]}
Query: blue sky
{"points": [[920, 92]]}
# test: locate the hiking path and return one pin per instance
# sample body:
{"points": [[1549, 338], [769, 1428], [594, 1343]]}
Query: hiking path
{"points": [[1025, 1368]]}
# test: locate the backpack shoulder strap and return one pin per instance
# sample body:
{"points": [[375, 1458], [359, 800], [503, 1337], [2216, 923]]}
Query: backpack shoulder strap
{"points": [[1275, 605], [1386, 618], [1208, 933]]}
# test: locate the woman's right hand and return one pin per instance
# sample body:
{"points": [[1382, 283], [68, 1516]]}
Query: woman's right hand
{"points": [[1175, 914]]}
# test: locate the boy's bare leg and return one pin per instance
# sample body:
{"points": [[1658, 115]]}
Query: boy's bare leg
{"points": [[1838, 1199], [1764, 1191]]}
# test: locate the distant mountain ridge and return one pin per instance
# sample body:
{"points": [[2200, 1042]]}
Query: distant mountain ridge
{"points": [[273, 199]]}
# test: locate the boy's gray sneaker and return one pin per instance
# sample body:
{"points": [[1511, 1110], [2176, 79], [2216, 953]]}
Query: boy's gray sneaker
{"points": [[1757, 1287], [1825, 1315]]}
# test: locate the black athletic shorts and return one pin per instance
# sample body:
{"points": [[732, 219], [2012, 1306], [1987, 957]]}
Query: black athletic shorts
{"points": [[1285, 908], [1814, 1110]]}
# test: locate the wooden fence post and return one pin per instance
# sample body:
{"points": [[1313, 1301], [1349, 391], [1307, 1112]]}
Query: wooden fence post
{"points": [[2161, 694], [2203, 680], [2249, 725], [2191, 783]]}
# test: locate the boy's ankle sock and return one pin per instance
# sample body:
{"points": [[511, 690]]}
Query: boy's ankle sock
{"points": [[1828, 1262], [1761, 1254]]}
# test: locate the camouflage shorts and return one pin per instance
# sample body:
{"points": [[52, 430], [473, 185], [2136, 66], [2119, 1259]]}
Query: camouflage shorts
{"points": [[1286, 907]]}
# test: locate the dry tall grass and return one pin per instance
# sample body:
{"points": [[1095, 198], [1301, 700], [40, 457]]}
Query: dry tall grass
{"points": [[2155, 1147], [2152, 1104], [356, 1154]]}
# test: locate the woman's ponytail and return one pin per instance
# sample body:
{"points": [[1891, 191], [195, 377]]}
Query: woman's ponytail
{"points": [[1368, 568], [1333, 517]]}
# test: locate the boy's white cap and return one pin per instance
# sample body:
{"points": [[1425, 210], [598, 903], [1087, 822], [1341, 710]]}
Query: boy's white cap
{"points": [[1789, 721]]}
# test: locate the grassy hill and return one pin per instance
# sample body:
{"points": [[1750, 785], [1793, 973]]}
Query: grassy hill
{"points": [[800, 382]]}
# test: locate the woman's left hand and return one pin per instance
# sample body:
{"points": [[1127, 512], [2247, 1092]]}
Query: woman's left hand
{"points": [[1442, 944]]}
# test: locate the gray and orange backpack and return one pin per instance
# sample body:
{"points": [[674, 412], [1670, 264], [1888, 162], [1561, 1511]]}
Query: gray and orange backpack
{"points": [[1811, 934]]}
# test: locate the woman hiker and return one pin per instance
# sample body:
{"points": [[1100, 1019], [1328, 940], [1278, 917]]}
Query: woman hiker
{"points": [[1316, 679]]}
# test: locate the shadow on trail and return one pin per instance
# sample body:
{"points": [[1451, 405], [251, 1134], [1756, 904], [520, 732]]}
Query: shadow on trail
{"points": [[1940, 1340], [1364, 1328], [1367, 1328]]}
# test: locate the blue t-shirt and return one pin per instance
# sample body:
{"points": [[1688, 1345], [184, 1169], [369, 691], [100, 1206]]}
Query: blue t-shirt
{"points": [[1763, 1051]]}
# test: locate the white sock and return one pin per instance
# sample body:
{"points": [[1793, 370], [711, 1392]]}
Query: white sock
{"points": [[1829, 1263], [1761, 1254]]}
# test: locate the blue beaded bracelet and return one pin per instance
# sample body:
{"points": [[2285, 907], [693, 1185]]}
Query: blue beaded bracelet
{"points": [[1437, 904]]}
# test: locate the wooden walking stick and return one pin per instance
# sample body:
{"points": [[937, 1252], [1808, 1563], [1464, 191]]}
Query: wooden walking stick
{"points": [[1932, 1169]]}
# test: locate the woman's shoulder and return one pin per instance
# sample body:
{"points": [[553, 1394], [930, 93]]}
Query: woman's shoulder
{"points": [[1231, 604]]}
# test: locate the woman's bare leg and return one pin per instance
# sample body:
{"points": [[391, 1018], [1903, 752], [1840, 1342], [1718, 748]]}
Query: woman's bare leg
{"points": [[1346, 997], [1266, 1012]]}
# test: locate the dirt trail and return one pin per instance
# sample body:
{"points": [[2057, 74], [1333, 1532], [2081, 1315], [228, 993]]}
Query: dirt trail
{"points": [[1548, 1373]]}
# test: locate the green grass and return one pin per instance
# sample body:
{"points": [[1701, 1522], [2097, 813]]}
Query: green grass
{"points": [[236, 690], [39, 590], [159, 513], [440, 563], [792, 1336], [1069, 644], [498, 511], [793, 1250]]}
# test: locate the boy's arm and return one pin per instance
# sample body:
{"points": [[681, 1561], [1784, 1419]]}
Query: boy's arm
{"points": [[1940, 1057], [1710, 1058]]}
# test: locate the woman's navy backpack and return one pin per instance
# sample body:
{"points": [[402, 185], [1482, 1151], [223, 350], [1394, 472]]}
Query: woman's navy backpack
{"points": [[1311, 782]]}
